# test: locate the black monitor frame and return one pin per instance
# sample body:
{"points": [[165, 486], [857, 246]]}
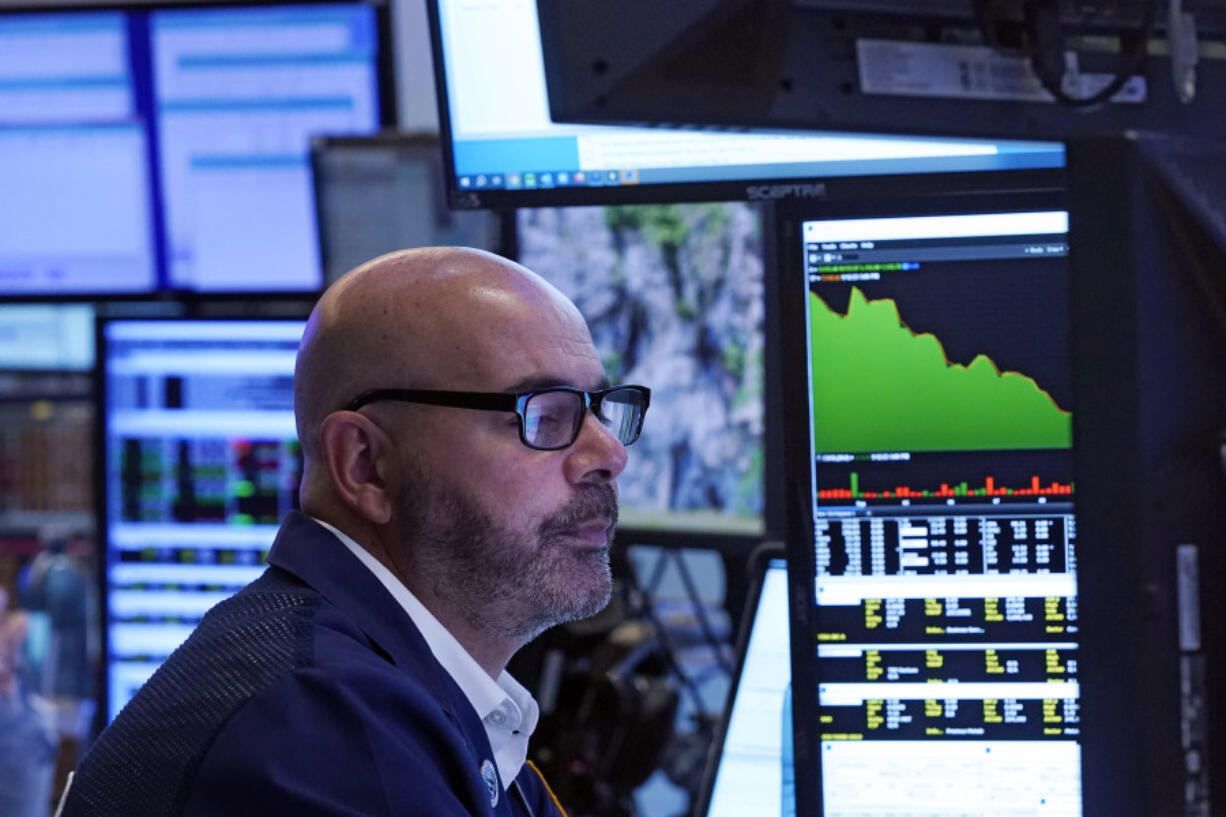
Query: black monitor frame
{"points": [[1149, 295], [387, 100]]}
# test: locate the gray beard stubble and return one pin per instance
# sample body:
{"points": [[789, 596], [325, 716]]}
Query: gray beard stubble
{"points": [[503, 582]]}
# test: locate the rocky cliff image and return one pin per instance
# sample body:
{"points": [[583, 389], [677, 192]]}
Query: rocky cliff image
{"points": [[674, 297]]}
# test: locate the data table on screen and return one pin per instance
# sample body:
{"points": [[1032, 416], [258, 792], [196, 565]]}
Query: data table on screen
{"points": [[202, 461]]}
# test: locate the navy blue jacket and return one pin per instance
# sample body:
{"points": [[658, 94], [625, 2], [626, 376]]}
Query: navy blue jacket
{"points": [[309, 692]]}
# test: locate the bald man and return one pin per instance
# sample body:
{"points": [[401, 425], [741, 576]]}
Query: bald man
{"points": [[461, 447]]}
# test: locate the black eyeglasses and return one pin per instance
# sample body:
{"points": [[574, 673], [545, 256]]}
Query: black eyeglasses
{"points": [[549, 419]]}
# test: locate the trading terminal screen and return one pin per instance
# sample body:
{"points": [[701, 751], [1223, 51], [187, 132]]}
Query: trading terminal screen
{"points": [[944, 535], [202, 461], [168, 148]]}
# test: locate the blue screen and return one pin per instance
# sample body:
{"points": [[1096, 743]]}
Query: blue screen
{"points": [[168, 149]]}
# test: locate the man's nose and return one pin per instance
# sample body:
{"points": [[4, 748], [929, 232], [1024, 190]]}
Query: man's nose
{"points": [[597, 455]]}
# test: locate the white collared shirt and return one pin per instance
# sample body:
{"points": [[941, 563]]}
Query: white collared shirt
{"points": [[507, 710]]}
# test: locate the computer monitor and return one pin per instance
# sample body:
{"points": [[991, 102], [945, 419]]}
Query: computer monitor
{"points": [[47, 337], [153, 147], [238, 95], [381, 193], [748, 770], [502, 150], [77, 203], [673, 294], [934, 538], [201, 461]]}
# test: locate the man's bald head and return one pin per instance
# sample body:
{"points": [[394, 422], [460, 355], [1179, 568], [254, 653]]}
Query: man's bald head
{"points": [[421, 318]]}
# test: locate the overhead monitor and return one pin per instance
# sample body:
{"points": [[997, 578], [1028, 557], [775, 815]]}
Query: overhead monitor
{"points": [[1046, 70], [749, 770], [937, 643], [77, 212], [501, 149], [673, 294], [376, 194], [151, 148], [201, 461]]}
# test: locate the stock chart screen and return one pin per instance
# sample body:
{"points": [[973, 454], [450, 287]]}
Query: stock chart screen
{"points": [[944, 538], [202, 461]]}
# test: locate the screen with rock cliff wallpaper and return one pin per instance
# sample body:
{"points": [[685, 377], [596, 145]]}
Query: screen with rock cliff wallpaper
{"points": [[674, 297]]}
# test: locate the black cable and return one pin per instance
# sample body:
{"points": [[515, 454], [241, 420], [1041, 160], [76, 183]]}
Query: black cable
{"points": [[1047, 51]]}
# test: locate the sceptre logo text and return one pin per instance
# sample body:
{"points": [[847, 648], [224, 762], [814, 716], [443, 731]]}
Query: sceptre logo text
{"points": [[761, 192]]}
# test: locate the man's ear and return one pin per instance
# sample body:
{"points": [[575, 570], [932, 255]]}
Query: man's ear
{"points": [[355, 451]]}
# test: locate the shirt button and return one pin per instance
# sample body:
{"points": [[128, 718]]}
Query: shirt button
{"points": [[497, 718]]}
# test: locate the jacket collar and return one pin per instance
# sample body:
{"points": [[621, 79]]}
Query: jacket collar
{"points": [[312, 553]]}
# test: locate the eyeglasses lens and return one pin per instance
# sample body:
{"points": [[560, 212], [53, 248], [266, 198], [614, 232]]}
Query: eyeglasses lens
{"points": [[551, 418], [622, 413]]}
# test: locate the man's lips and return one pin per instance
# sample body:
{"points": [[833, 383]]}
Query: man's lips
{"points": [[594, 532]]}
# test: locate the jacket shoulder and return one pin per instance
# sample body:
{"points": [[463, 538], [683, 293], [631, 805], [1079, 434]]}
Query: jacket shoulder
{"points": [[141, 764]]}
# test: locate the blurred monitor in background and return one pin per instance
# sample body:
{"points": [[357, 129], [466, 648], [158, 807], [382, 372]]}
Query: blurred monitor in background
{"points": [[382, 193], [47, 337], [164, 146], [202, 461], [673, 294]]}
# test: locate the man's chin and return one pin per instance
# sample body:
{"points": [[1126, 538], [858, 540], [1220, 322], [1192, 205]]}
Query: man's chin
{"points": [[590, 592]]}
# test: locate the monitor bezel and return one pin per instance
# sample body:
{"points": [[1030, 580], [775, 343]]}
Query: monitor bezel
{"points": [[385, 77]]}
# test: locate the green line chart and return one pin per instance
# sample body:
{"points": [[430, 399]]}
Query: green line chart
{"points": [[880, 386]]}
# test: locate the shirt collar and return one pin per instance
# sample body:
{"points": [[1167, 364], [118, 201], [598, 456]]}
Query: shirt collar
{"points": [[506, 708]]}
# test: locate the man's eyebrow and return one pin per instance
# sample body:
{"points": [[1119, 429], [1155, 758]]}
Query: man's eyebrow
{"points": [[538, 382]]}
